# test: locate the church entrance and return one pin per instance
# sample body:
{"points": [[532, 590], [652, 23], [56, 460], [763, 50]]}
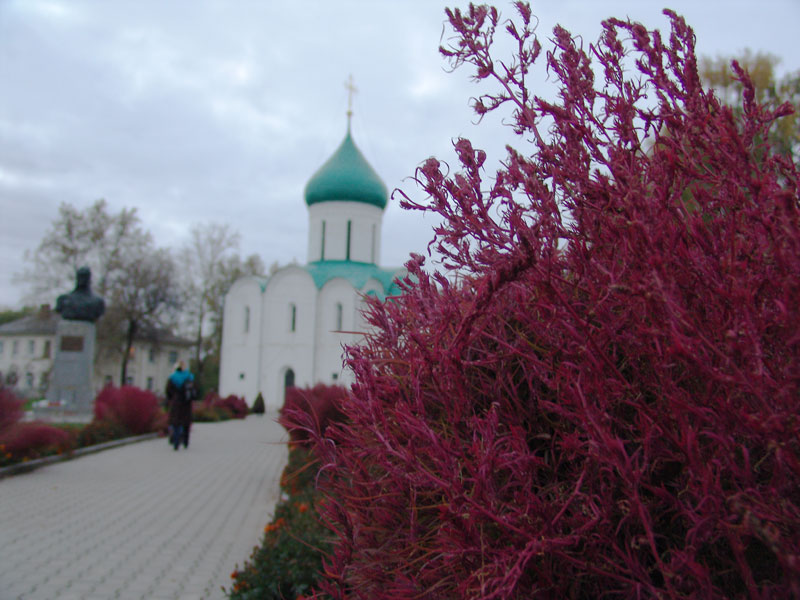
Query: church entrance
{"points": [[288, 381]]}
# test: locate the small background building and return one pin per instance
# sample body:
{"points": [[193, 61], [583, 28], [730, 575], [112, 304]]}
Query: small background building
{"points": [[26, 352], [152, 359], [289, 328], [27, 349]]}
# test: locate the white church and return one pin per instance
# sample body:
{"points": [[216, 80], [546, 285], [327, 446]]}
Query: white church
{"points": [[289, 328]]}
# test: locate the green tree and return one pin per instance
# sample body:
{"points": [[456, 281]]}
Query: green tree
{"points": [[717, 73]]}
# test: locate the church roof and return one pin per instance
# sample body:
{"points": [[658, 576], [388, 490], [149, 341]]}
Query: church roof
{"points": [[356, 273], [346, 176]]}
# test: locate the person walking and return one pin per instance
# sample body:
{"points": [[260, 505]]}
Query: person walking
{"points": [[180, 393]]}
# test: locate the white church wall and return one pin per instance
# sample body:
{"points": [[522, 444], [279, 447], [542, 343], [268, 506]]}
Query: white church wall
{"points": [[290, 323], [372, 287], [365, 231], [301, 328], [336, 305], [241, 339]]}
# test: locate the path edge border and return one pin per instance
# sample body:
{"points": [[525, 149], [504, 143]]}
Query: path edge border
{"points": [[32, 465]]}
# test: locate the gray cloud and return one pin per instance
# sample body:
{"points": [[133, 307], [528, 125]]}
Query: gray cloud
{"points": [[204, 110]]}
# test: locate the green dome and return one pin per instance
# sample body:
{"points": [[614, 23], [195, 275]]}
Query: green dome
{"points": [[346, 176]]}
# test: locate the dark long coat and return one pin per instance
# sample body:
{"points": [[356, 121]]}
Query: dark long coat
{"points": [[180, 410]]}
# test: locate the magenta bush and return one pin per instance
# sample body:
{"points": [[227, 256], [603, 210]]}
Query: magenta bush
{"points": [[309, 411], [137, 411], [32, 440], [235, 405], [604, 402], [215, 408], [21, 441]]}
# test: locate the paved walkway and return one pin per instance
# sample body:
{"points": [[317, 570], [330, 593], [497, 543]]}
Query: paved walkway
{"points": [[142, 521]]}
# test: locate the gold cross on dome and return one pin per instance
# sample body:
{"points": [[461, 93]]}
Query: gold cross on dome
{"points": [[351, 90]]}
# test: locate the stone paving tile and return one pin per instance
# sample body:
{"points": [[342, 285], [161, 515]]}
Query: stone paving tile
{"points": [[142, 521]]}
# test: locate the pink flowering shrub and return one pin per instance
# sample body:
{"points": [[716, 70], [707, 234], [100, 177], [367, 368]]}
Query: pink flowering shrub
{"points": [[33, 440], [321, 405], [135, 410], [235, 405], [215, 408], [23, 441], [604, 402]]}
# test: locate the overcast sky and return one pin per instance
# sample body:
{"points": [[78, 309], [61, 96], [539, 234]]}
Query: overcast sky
{"points": [[196, 111]]}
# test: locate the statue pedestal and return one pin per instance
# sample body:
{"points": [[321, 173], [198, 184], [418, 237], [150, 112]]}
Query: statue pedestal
{"points": [[70, 391]]}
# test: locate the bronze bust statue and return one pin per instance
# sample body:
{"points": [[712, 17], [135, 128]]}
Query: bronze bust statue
{"points": [[81, 304]]}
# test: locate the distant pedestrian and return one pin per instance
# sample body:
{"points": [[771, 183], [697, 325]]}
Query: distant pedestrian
{"points": [[180, 393]]}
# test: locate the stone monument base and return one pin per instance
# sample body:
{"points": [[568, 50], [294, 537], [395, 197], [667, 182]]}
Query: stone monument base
{"points": [[55, 414], [70, 392]]}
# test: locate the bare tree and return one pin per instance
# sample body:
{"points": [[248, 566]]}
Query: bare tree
{"points": [[94, 237], [143, 287], [210, 263], [144, 300]]}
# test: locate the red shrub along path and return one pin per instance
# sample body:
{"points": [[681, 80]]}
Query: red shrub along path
{"points": [[320, 406], [233, 406], [31, 440], [137, 411], [606, 403], [19, 440]]}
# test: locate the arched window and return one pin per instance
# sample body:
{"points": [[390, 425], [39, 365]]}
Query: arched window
{"points": [[322, 245], [339, 316], [246, 319], [288, 380], [292, 317]]}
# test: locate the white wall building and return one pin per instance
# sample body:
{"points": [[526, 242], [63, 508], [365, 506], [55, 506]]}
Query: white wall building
{"points": [[289, 328], [27, 348]]}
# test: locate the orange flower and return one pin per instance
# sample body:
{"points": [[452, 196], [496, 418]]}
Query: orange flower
{"points": [[302, 507], [274, 526]]}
